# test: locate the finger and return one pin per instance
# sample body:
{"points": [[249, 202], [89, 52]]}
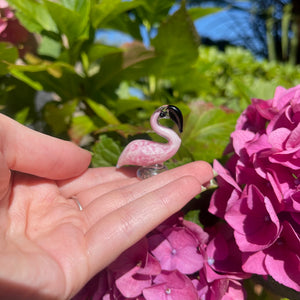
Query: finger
{"points": [[92, 178], [114, 199], [122, 228], [28, 151]]}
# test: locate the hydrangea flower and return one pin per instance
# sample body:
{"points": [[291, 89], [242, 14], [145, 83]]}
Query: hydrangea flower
{"points": [[259, 190], [170, 263]]}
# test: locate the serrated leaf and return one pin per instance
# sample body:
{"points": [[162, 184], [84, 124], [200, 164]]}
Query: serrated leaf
{"points": [[33, 15], [176, 45], [207, 131], [8, 55], [106, 152]]}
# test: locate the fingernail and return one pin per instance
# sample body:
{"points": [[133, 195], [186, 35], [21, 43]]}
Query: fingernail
{"points": [[211, 184], [203, 188], [215, 173]]}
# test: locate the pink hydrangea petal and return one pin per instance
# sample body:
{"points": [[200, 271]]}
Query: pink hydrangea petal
{"points": [[264, 108], [234, 291], [254, 262], [293, 141], [222, 252], [240, 139], [278, 137], [258, 144], [197, 231], [227, 188], [132, 284], [282, 259], [254, 220], [171, 286], [177, 249]]}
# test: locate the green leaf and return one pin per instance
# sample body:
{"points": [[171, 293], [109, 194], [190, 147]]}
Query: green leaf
{"points": [[8, 55], [33, 15], [108, 10], [154, 11], [49, 47], [193, 216], [207, 131], [59, 115], [70, 21], [57, 77], [106, 152], [126, 105], [97, 51], [124, 130], [23, 77], [199, 12], [81, 126], [103, 112], [22, 115], [176, 45]]}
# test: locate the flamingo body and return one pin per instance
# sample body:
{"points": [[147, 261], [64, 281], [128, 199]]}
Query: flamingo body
{"points": [[146, 153]]}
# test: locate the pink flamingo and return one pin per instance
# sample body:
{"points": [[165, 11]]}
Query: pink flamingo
{"points": [[151, 155]]}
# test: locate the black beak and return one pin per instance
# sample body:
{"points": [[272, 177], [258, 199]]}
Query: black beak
{"points": [[176, 116]]}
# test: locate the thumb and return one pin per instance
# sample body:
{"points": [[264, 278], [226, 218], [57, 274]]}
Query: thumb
{"points": [[29, 151]]}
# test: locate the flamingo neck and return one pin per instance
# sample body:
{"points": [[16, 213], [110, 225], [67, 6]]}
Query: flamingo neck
{"points": [[169, 134]]}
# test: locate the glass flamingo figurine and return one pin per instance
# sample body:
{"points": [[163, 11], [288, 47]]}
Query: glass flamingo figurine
{"points": [[151, 155]]}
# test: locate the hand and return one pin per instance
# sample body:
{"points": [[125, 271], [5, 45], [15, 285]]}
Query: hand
{"points": [[48, 247]]}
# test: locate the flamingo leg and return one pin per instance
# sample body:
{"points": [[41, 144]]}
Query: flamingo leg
{"points": [[149, 171]]}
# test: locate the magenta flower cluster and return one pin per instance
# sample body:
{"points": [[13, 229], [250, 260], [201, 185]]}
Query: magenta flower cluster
{"points": [[259, 190], [176, 261]]}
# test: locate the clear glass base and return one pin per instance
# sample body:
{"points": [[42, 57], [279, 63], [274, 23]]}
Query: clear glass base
{"points": [[146, 172]]}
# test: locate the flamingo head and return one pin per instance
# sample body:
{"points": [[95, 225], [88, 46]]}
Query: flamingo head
{"points": [[171, 112]]}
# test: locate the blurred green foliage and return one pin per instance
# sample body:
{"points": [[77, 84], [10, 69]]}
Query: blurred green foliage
{"points": [[102, 96]]}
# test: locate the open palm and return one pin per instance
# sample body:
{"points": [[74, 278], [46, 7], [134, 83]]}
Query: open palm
{"points": [[49, 248]]}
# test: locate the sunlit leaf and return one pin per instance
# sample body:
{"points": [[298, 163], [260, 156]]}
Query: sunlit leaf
{"points": [[71, 21], [207, 130], [176, 45], [106, 152], [103, 112], [154, 11], [107, 10], [33, 15]]}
